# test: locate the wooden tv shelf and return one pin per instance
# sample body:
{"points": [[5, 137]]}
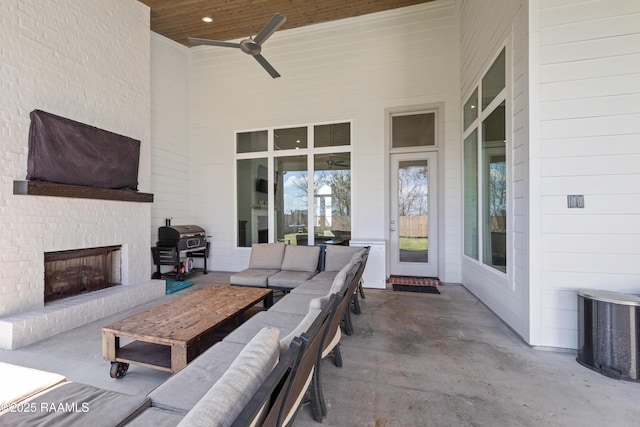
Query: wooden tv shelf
{"points": [[40, 188]]}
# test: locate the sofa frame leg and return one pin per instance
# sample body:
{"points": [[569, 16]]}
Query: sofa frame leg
{"points": [[337, 356]]}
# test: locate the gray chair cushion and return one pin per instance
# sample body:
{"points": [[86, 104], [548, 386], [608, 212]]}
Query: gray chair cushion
{"points": [[157, 418], [289, 279], [301, 258], [267, 255], [184, 389], [255, 277], [230, 394], [336, 257], [94, 407]]}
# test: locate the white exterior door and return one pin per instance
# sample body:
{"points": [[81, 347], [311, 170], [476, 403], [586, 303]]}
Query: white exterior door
{"points": [[413, 218]]}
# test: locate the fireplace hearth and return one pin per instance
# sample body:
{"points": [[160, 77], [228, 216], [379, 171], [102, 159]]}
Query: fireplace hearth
{"points": [[75, 272]]}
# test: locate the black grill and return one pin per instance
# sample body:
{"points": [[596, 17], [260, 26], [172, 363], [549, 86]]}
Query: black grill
{"points": [[178, 241], [182, 237]]}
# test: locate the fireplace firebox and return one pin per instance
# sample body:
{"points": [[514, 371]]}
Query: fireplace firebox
{"points": [[75, 272]]}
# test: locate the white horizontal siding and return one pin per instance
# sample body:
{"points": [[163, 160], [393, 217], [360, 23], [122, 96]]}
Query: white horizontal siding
{"points": [[169, 133], [351, 69], [589, 70]]}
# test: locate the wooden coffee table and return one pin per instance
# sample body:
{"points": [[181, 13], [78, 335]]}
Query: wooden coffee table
{"points": [[169, 336]]}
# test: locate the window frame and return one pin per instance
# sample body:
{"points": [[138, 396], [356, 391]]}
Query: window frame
{"points": [[271, 154], [504, 96]]}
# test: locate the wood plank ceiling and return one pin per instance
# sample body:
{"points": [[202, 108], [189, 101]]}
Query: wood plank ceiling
{"points": [[180, 19]]}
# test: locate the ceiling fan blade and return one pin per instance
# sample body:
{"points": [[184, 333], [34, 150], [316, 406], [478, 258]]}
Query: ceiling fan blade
{"points": [[196, 41], [267, 66], [276, 22]]}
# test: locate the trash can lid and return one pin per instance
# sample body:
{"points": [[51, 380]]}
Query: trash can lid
{"points": [[610, 296]]}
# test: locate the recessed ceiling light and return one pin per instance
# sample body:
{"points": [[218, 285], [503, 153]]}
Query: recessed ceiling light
{"points": [[207, 19]]}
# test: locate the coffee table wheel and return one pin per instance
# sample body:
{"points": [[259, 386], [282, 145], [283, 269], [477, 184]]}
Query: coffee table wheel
{"points": [[118, 369]]}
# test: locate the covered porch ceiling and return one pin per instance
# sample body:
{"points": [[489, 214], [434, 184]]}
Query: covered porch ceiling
{"points": [[180, 19]]}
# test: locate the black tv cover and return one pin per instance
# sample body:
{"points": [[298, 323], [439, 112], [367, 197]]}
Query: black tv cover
{"points": [[69, 152]]}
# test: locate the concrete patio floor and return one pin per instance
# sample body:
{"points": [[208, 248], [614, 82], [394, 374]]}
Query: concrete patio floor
{"points": [[414, 360]]}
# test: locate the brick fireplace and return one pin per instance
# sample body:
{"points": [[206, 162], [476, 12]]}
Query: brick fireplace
{"points": [[109, 89]]}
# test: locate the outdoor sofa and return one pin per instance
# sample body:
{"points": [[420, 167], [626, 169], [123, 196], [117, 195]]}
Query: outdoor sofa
{"points": [[257, 375]]}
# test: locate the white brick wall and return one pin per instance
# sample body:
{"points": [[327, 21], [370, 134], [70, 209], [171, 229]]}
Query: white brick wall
{"points": [[87, 60]]}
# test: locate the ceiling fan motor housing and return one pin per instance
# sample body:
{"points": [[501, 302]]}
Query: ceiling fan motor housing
{"points": [[250, 47]]}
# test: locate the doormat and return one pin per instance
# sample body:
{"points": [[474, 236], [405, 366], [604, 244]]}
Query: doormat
{"points": [[176, 285], [409, 280], [416, 288]]}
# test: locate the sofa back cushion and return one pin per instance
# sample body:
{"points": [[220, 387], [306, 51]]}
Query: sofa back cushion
{"points": [[267, 255], [301, 258], [341, 277], [301, 328], [230, 394], [336, 257]]}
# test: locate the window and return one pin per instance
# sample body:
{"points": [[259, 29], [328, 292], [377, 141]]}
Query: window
{"points": [[294, 185], [471, 195], [413, 130], [485, 169]]}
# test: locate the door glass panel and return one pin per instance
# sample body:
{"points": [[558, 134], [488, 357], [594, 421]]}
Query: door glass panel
{"points": [[291, 195], [250, 142], [332, 198], [494, 183], [413, 210], [290, 139], [471, 195], [413, 130], [252, 187], [332, 135]]}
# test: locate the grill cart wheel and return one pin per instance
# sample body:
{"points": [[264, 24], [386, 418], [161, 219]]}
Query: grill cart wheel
{"points": [[118, 369]]}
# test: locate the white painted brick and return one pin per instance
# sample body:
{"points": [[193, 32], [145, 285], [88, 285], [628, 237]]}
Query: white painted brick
{"points": [[88, 61]]}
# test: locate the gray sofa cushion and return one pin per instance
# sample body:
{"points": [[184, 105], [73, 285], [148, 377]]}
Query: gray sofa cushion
{"points": [[326, 277], [230, 394], [184, 389], [289, 279], [267, 256], [316, 287], [338, 281], [293, 304], [90, 406], [244, 333], [336, 257], [157, 418], [301, 258], [255, 277]]}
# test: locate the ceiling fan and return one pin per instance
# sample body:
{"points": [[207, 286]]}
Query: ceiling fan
{"points": [[251, 46], [338, 164]]}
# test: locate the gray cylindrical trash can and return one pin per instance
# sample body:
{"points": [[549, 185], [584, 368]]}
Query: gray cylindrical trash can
{"points": [[608, 328]]}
